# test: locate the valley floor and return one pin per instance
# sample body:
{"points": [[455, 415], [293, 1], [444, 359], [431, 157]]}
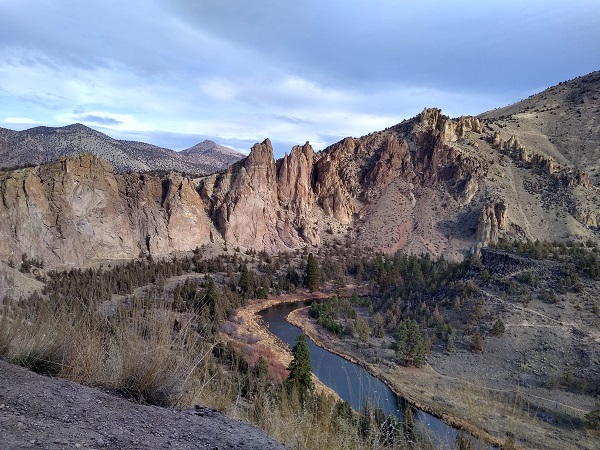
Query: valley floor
{"points": [[463, 390]]}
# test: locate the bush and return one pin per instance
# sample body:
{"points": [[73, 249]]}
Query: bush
{"points": [[498, 328]]}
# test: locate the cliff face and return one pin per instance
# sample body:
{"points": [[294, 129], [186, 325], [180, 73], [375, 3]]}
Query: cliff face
{"points": [[244, 201], [429, 184], [77, 210]]}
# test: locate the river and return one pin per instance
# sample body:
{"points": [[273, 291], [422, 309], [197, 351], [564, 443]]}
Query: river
{"points": [[354, 384]]}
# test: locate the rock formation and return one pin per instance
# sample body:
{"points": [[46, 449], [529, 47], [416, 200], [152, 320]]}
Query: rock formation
{"points": [[493, 220], [430, 183], [244, 201], [78, 210]]}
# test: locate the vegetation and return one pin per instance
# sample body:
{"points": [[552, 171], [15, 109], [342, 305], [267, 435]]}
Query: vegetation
{"points": [[300, 377], [409, 343], [498, 327], [326, 315], [137, 329], [313, 273], [132, 329]]}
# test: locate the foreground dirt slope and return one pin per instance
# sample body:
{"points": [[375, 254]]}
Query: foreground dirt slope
{"points": [[42, 412]]}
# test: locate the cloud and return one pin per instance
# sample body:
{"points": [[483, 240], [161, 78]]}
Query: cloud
{"points": [[20, 120], [107, 120], [238, 73], [100, 120]]}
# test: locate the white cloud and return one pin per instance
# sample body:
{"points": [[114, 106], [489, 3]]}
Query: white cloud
{"points": [[317, 71], [21, 120], [108, 120]]}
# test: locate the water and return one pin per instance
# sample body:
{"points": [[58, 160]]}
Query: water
{"points": [[353, 383]]}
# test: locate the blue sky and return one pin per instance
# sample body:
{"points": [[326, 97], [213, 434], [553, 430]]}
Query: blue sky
{"points": [[175, 72]]}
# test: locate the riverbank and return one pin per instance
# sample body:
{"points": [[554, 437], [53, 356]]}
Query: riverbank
{"points": [[421, 379], [252, 329], [496, 416], [412, 384], [492, 415]]}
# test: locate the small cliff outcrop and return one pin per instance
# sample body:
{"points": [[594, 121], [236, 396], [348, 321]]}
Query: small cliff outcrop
{"points": [[492, 221]]}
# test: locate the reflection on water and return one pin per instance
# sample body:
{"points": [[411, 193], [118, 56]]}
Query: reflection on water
{"points": [[353, 383]]}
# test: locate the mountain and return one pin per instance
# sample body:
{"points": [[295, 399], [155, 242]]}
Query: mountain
{"points": [[211, 154], [429, 184], [46, 144]]}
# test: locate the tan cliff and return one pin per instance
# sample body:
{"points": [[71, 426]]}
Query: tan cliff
{"points": [[78, 210]]}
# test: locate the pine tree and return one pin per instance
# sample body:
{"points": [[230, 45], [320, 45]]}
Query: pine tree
{"points": [[409, 422], [378, 326], [313, 273], [498, 328], [247, 282], [409, 343], [300, 376], [477, 342]]}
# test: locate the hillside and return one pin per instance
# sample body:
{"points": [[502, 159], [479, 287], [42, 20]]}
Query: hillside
{"points": [[211, 154], [54, 413], [47, 144], [562, 122]]}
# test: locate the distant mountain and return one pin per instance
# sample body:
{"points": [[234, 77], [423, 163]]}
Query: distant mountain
{"points": [[47, 144], [212, 154]]}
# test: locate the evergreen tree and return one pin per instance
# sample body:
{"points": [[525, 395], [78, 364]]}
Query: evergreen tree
{"points": [[451, 345], [477, 342], [409, 422], [378, 326], [247, 282], [362, 329], [313, 273], [409, 343], [300, 369], [498, 328], [365, 420]]}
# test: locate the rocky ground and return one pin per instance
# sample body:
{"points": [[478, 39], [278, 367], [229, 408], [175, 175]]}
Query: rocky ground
{"points": [[51, 413]]}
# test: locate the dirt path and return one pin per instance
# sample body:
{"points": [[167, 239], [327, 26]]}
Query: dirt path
{"points": [[559, 323]]}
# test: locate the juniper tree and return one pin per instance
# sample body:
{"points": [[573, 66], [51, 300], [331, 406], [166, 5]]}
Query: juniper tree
{"points": [[313, 273]]}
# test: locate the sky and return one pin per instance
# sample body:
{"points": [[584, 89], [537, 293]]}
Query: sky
{"points": [[176, 72]]}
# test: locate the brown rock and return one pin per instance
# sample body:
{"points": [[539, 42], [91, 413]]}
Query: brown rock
{"points": [[245, 201], [493, 220], [77, 210]]}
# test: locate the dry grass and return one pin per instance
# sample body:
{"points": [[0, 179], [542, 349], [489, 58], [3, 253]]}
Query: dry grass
{"points": [[134, 351]]}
